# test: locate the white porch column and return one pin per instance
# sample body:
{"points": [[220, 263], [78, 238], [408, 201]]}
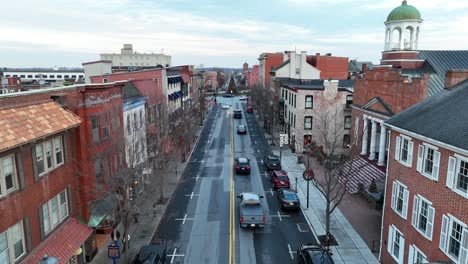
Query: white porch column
{"points": [[383, 135], [372, 140], [364, 136]]}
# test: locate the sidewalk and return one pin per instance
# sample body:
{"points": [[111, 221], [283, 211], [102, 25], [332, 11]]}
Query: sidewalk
{"points": [[351, 248], [148, 221]]}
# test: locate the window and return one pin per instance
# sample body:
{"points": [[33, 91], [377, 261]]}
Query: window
{"points": [[454, 239], [400, 196], [29, 76], [395, 243], [349, 100], [66, 76], [12, 243], [347, 122], [73, 76], [298, 71], [141, 118], [416, 256], [54, 212], [23, 76], [135, 121], [51, 76], [309, 103], [423, 216], [105, 80], [346, 140], [59, 76], [8, 179], [356, 131], [95, 129], [295, 97], [49, 155], [404, 150], [308, 122], [428, 162], [105, 125], [98, 172], [457, 175]]}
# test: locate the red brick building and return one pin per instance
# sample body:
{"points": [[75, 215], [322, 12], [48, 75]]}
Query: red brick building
{"points": [[267, 62], [253, 76], [331, 67], [50, 143]]}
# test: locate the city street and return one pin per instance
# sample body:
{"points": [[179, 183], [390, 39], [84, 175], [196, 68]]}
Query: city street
{"points": [[197, 224]]}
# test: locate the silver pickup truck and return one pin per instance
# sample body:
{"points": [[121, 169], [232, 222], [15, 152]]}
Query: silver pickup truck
{"points": [[250, 210]]}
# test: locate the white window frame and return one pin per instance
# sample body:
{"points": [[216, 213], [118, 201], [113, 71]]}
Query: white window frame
{"points": [[423, 151], [398, 188], [95, 130], [417, 212], [305, 122], [3, 189], [54, 151], [399, 148], [311, 102], [10, 249], [61, 212], [413, 253], [445, 234], [392, 231], [453, 173], [347, 125]]}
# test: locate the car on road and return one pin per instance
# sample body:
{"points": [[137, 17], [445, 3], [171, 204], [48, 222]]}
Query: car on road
{"points": [[243, 98], [251, 212], [242, 166], [241, 129], [313, 254], [237, 114], [272, 162], [151, 254], [288, 199], [249, 109], [279, 179], [225, 106]]}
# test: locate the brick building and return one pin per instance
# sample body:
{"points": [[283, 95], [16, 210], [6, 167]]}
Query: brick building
{"points": [[268, 61], [331, 67], [426, 216], [253, 78]]}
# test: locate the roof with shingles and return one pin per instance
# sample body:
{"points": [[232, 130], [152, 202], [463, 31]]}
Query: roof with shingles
{"points": [[441, 117], [437, 63], [21, 125]]}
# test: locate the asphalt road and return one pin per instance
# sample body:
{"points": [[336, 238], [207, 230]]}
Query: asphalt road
{"points": [[196, 226]]}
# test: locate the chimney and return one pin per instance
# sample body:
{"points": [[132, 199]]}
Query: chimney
{"points": [[454, 77], [317, 54], [364, 67]]}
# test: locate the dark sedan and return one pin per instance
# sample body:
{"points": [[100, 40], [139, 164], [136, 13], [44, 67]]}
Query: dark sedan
{"points": [[272, 162], [242, 166], [313, 254], [241, 129], [288, 199]]}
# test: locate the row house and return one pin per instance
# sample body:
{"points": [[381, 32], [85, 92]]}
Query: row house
{"points": [[252, 77], [331, 67], [426, 207], [405, 77], [267, 62], [51, 140]]}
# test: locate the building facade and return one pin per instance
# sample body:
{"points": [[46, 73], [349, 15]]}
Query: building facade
{"points": [[268, 61], [130, 58], [331, 67]]}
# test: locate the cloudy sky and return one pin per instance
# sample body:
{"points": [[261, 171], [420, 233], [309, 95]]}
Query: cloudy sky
{"points": [[212, 32]]}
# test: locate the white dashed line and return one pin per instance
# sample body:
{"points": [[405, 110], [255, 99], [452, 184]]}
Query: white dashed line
{"points": [[183, 219], [192, 195], [291, 252], [271, 191], [173, 255]]}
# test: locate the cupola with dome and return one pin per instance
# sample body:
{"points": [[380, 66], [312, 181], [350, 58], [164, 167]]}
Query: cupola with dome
{"points": [[404, 12]]}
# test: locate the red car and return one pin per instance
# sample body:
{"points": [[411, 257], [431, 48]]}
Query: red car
{"points": [[279, 179], [249, 109]]}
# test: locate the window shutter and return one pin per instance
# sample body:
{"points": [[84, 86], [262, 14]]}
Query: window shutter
{"points": [[410, 154], [411, 255], [452, 163], [430, 222], [435, 166], [356, 131], [394, 194], [70, 200], [397, 148], [464, 247], [20, 169], [27, 232], [34, 158], [401, 252], [405, 203], [41, 223], [414, 219], [420, 158], [390, 239], [443, 233], [65, 147]]}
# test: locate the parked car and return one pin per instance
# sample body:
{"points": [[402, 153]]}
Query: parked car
{"points": [[272, 162], [249, 109], [241, 129], [237, 114], [225, 106], [243, 98], [288, 199], [151, 254], [242, 166], [279, 179], [251, 211], [313, 254]]}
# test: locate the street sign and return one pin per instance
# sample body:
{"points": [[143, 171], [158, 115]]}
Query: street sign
{"points": [[113, 251], [308, 175], [283, 139]]}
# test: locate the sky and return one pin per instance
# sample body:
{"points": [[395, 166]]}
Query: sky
{"points": [[225, 33]]}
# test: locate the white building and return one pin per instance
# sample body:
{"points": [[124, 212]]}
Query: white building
{"points": [[295, 66], [129, 58], [45, 75], [134, 118], [96, 68]]}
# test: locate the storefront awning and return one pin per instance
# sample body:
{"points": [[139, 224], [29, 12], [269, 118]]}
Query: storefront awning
{"points": [[100, 210], [62, 243]]}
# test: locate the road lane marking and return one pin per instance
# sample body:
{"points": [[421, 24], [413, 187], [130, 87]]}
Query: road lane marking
{"points": [[271, 191], [192, 195], [173, 255], [196, 178], [291, 252], [280, 216], [184, 219], [258, 150]]}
